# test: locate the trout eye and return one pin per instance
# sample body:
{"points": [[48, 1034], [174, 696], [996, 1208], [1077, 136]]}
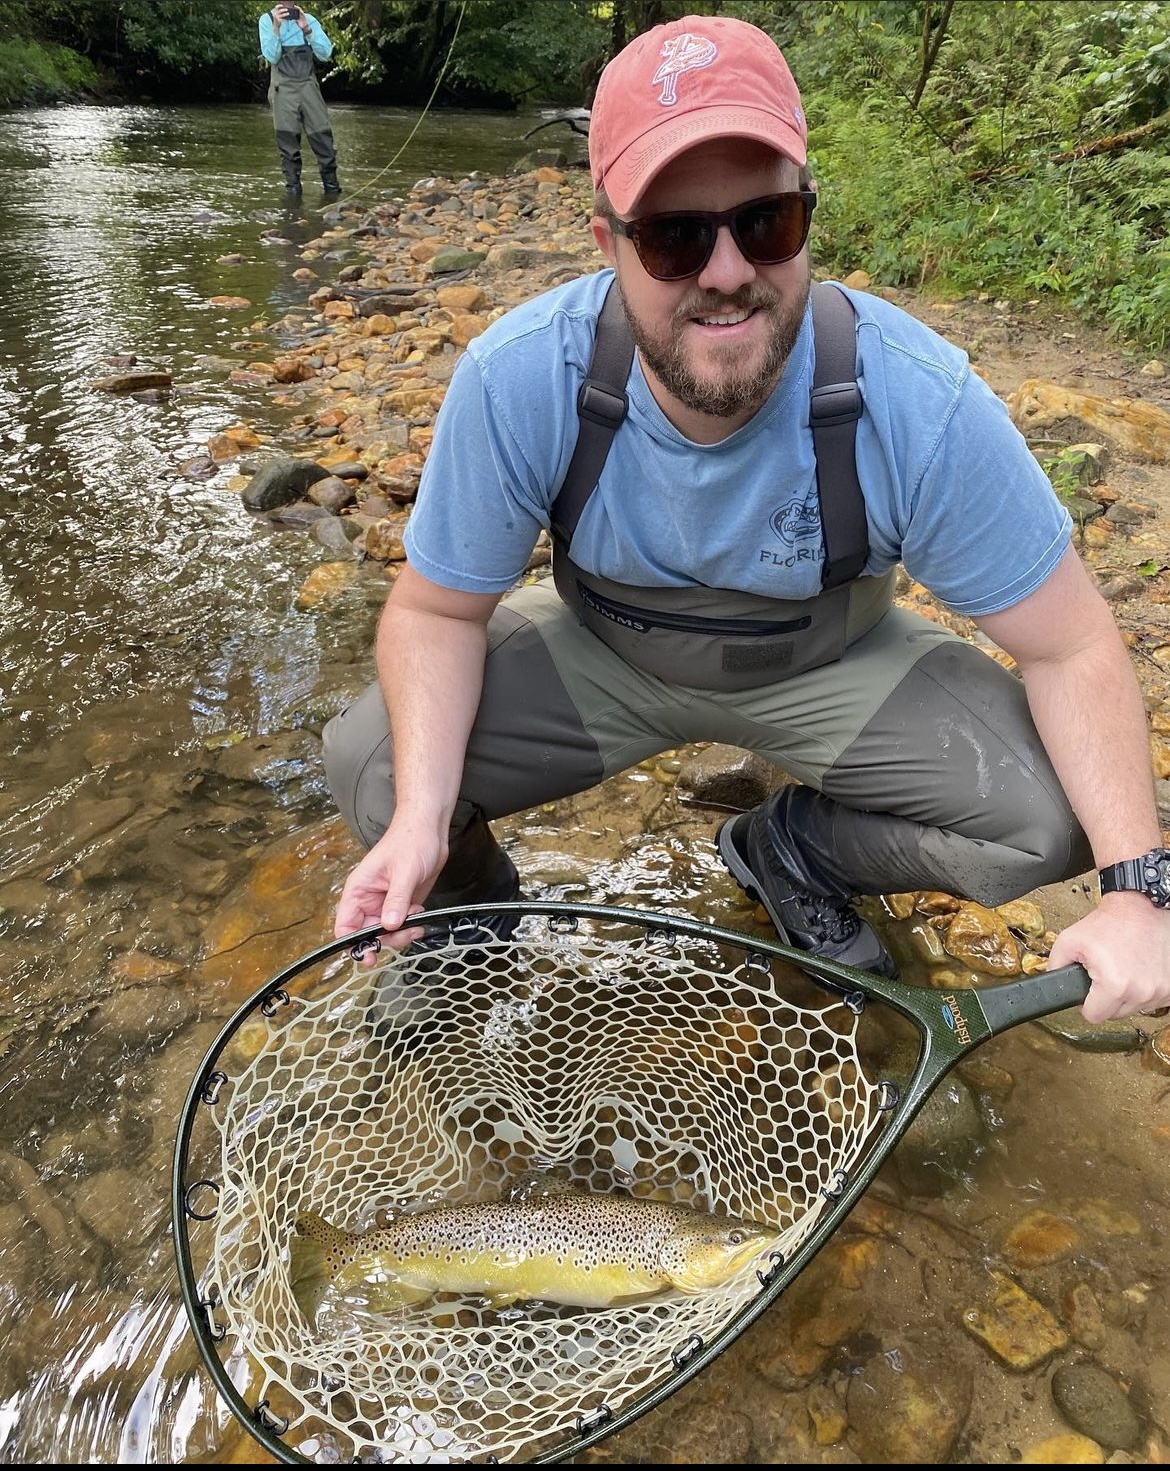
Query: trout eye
{"points": [[735, 1237]]}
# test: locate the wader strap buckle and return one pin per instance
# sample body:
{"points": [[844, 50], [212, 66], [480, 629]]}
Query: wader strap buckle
{"points": [[835, 403], [600, 405]]}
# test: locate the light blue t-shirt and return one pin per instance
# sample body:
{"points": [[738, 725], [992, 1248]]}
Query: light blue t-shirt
{"points": [[289, 35], [951, 488]]}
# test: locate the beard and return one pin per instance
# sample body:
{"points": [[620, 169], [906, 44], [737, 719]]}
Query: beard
{"points": [[738, 389]]}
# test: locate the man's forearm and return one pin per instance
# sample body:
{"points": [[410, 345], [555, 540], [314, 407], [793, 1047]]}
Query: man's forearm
{"points": [[1089, 713], [431, 671]]}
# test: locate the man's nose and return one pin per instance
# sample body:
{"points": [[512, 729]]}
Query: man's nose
{"points": [[728, 269]]}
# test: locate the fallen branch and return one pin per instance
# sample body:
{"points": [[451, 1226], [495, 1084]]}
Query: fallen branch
{"points": [[1082, 150]]}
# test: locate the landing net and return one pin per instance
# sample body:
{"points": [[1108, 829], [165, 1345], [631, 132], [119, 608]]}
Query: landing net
{"points": [[639, 1063]]}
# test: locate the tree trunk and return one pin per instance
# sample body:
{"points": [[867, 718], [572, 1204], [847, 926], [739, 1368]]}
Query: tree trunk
{"points": [[932, 39]]}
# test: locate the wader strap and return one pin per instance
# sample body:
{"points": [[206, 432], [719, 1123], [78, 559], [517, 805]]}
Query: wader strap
{"points": [[834, 409], [601, 407]]}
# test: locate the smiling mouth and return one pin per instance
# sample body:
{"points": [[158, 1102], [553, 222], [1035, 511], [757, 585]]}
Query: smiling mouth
{"points": [[725, 319]]}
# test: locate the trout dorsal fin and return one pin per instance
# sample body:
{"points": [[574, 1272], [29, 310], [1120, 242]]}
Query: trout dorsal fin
{"points": [[538, 1185]]}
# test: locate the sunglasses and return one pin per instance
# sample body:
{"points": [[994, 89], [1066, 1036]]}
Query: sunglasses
{"points": [[766, 231]]}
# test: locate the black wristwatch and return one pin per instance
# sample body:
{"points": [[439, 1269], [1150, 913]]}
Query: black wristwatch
{"points": [[1148, 875]]}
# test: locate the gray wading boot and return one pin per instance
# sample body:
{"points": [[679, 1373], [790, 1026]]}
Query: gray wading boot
{"points": [[761, 855], [412, 1003]]}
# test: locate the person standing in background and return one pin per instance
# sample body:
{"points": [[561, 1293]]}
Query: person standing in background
{"points": [[291, 40]]}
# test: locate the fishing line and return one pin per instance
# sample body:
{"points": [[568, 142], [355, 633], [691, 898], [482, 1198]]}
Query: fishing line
{"points": [[336, 203]]}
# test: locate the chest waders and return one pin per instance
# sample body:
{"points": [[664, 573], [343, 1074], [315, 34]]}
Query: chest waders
{"points": [[297, 106], [717, 638]]}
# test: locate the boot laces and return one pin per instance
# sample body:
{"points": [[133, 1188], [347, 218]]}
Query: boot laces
{"points": [[830, 921]]}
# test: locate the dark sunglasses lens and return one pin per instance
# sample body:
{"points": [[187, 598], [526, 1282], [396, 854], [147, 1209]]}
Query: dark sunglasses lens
{"points": [[772, 232], [769, 232], [674, 246]]}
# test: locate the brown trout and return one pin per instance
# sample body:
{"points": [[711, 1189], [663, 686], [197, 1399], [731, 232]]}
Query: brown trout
{"points": [[565, 1247]]}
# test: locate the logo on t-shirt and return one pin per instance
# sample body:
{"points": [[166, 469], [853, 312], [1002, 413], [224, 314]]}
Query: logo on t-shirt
{"points": [[795, 522]]}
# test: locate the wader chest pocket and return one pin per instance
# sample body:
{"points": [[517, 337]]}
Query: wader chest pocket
{"points": [[712, 653]]}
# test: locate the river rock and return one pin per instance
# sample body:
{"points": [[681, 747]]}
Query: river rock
{"points": [[331, 493], [300, 513], [1083, 1315], [824, 1307], [1095, 1404], [726, 776], [136, 1018], [325, 584], [1116, 1035], [280, 482], [979, 938], [898, 1417], [284, 763], [451, 258], [393, 300], [276, 913], [336, 533], [1017, 1329], [946, 1137], [1039, 1238], [114, 1206], [1139, 428], [132, 382], [1064, 1450]]}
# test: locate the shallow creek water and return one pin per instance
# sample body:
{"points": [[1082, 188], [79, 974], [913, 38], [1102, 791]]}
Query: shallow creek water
{"points": [[149, 629]]}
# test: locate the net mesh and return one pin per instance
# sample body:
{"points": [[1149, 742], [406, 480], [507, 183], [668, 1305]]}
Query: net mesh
{"points": [[636, 1063]]}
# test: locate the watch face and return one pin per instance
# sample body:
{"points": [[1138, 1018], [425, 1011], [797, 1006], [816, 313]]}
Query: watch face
{"points": [[1156, 873]]}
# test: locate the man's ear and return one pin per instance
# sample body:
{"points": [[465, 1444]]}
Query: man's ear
{"points": [[604, 237]]}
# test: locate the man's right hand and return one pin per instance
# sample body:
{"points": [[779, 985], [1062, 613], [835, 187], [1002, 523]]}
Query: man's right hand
{"points": [[390, 883]]}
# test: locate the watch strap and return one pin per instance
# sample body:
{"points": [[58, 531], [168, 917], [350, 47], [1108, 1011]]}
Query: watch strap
{"points": [[1129, 875]]}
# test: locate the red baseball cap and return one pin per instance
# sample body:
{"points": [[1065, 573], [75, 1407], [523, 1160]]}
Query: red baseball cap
{"points": [[705, 76]]}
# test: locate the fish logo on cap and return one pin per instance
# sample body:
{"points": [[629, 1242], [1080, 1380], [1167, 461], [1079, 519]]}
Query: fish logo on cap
{"points": [[683, 53]]}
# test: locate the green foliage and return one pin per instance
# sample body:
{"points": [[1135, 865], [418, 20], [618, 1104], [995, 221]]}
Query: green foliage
{"points": [[1068, 471], [986, 184], [543, 48], [1123, 54], [483, 52], [207, 43], [32, 73]]}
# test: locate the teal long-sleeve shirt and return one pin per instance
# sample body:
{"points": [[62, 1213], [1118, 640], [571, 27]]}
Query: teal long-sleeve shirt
{"points": [[274, 41]]}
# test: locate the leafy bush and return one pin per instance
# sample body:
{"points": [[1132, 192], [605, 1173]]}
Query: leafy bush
{"points": [[988, 165], [33, 73]]}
